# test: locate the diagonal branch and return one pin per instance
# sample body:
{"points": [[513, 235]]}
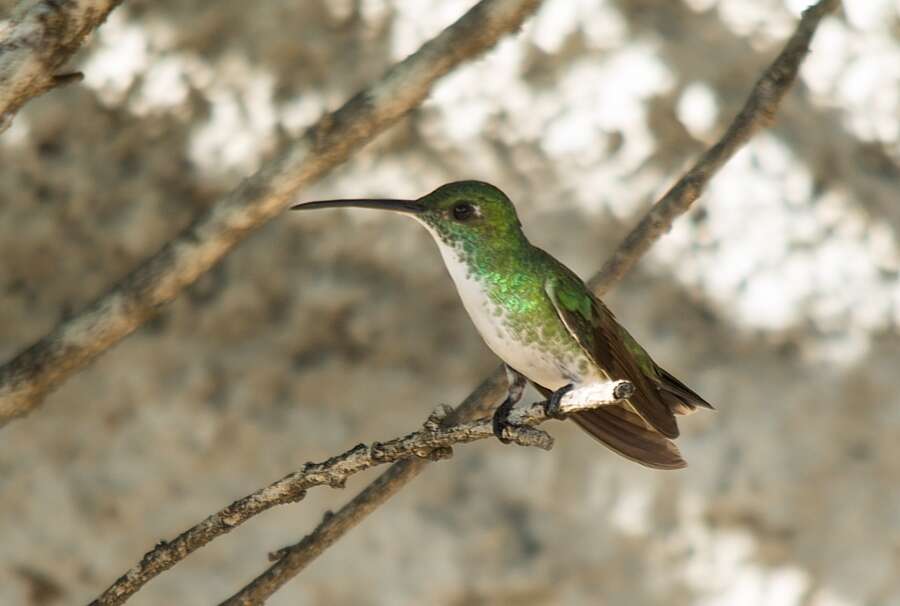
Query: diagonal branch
{"points": [[27, 378], [758, 112], [36, 42], [433, 442]]}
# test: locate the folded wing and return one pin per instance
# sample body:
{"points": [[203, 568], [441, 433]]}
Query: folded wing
{"points": [[612, 349]]}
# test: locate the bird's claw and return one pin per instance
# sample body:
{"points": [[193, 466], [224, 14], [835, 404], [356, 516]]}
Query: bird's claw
{"points": [[553, 406]]}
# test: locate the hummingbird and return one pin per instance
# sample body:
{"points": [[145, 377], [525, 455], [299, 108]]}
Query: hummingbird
{"points": [[544, 322]]}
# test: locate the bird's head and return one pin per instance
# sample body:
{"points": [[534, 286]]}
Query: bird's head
{"points": [[462, 212]]}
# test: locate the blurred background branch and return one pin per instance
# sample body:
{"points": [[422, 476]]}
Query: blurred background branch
{"points": [[25, 380], [36, 42], [758, 112]]}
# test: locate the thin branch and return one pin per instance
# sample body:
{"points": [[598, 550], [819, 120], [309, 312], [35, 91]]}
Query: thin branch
{"points": [[293, 559], [758, 111], [433, 442], [27, 378], [36, 42]]}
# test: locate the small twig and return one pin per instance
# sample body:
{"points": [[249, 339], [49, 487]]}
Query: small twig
{"points": [[27, 378], [433, 442], [36, 42], [758, 111]]}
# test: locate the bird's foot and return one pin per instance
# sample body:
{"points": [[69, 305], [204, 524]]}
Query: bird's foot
{"points": [[500, 420], [514, 390], [553, 407]]}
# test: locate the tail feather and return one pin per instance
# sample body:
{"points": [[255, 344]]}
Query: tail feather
{"points": [[625, 433]]}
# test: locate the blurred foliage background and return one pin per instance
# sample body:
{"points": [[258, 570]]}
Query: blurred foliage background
{"points": [[777, 298]]}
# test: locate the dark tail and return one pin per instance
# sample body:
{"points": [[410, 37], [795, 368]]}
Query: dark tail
{"points": [[626, 433]]}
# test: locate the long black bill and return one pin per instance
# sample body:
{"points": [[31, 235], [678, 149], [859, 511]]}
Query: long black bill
{"points": [[409, 207]]}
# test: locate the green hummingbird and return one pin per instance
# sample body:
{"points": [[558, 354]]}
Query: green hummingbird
{"points": [[542, 320]]}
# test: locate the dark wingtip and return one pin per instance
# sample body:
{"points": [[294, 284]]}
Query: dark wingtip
{"points": [[671, 389]]}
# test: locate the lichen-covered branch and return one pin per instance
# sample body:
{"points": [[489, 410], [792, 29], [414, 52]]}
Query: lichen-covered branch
{"points": [[758, 111], [35, 43], [433, 442], [26, 379]]}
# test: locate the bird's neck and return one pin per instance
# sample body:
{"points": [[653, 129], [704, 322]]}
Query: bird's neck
{"points": [[486, 260]]}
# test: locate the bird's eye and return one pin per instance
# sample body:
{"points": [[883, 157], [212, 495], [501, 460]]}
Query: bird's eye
{"points": [[463, 211]]}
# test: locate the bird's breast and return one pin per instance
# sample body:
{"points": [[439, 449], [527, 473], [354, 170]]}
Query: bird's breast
{"points": [[510, 335]]}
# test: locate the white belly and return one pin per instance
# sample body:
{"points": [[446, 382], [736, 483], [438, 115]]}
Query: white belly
{"points": [[539, 366]]}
